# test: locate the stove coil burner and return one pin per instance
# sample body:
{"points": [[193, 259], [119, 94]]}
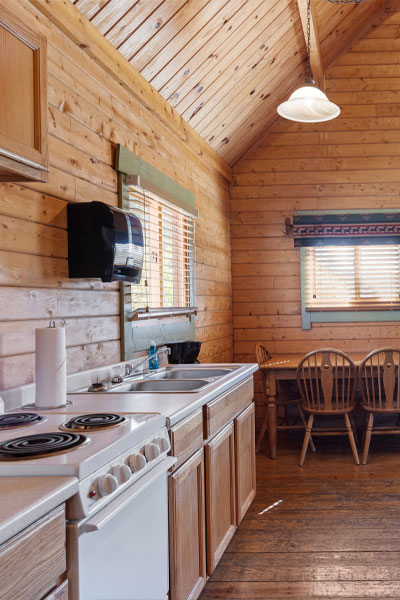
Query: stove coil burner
{"points": [[12, 420], [98, 387], [40, 444], [94, 422]]}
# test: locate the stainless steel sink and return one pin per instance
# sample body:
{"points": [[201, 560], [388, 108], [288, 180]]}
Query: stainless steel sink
{"points": [[162, 385], [190, 373]]}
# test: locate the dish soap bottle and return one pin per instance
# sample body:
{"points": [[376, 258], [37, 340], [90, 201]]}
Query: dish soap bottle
{"points": [[153, 362]]}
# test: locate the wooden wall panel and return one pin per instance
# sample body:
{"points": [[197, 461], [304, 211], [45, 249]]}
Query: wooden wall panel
{"points": [[89, 113], [351, 162]]}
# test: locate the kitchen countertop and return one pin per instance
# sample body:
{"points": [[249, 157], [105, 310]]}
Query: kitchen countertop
{"points": [[23, 500], [174, 406]]}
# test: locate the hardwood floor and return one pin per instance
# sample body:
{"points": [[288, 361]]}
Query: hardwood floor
{"points": [[334, 534]]}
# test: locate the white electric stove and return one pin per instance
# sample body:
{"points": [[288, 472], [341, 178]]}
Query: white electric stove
{"points": [[118, 522]]}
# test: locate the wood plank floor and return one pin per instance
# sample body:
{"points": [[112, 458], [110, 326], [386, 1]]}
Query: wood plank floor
{"points": [[335, 534]]}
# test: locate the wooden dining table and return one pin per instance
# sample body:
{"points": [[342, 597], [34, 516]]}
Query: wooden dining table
{"points": [[283, 367]]}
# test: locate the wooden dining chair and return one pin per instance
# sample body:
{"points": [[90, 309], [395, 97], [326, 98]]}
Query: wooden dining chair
{"points": [[282, 399], [327, 380], [378, 377]]}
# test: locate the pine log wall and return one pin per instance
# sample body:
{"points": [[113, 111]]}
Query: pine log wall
{"points": [[89, 112], [352, 162]]}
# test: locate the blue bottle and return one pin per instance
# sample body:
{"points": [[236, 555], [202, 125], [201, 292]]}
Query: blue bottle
{"points": [[153, 362]]}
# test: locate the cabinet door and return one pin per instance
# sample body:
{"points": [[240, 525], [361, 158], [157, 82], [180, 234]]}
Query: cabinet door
{"points": [[23, 101], [33, 562], [220, 495], [187, 529], [245, 460], [61, 593]]}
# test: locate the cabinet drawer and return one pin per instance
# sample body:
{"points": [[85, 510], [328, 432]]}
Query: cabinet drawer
{"points": [[32, 562], [187, 437], [223, 409]]}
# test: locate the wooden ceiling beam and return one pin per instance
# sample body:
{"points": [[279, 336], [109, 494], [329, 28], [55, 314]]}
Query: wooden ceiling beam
{"points": [[317, 65]]}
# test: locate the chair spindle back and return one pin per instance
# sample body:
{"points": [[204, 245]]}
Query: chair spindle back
{"points": [[378, 376], [327, 380], [262, 354]]}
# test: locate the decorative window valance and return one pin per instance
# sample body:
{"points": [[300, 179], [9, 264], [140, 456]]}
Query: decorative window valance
{"points": [[349, 228]]}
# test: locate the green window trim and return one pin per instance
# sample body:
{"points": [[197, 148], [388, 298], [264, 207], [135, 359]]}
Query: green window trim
{"points": [[138, 335]]}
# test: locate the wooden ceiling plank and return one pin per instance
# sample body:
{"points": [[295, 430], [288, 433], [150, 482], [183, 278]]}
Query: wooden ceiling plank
{"points": [[192, 28], [90, 7], [69, 20], [209, 54], [249, 133], [316, 61], [154, 29], [130, 21], [215, 63], [256, 55], [156, 45], [329, 17], [221, 76], [243, 105], [110, 14], [194, 46]]}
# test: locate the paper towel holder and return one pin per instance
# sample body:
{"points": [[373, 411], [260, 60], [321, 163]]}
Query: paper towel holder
{"points": [[52, 324]]}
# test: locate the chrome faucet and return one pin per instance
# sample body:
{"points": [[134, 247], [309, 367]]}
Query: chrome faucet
{"points": [[132, 369]]}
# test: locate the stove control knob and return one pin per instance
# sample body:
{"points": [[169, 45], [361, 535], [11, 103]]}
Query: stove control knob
{"points": [[163, 443], [107, 484], [122, 473], [152, 451], [137, 462]]}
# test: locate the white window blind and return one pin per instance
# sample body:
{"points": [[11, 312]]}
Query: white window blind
{"points": [[168, 269], [352, 277]]}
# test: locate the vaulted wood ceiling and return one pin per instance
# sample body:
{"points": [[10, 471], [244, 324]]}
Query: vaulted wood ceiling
{"points": [[225, 65]]}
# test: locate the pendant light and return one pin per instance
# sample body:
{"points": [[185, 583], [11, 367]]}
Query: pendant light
{"points": [[308, 104]]}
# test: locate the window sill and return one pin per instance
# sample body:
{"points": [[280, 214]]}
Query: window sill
{"points": [[347, 316]]}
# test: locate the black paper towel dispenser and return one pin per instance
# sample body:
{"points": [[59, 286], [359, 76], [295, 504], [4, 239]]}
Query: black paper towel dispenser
{"points": [[104, 242]]}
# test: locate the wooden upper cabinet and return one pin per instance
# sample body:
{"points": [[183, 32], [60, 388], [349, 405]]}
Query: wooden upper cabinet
{"points": [[23, 102]]}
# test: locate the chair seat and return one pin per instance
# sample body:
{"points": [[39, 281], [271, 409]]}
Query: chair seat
{"points": [[329, 412], [382, 411]]}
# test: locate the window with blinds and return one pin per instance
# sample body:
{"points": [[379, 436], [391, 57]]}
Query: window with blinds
{"points": [[351, 277], [168, 269]]}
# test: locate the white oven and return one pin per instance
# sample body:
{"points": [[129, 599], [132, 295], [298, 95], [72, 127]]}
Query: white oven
{"points": [[121, 552]]}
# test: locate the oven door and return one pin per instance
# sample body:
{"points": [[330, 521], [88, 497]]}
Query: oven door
{"points": [[121, 553]]}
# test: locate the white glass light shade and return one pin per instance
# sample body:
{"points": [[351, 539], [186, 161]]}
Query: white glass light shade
{"points": [[308, 105]]}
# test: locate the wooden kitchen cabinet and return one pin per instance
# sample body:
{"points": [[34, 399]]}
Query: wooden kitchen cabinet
{"points": [[245, 461], [220, 494], [33, 562], [187, 529], [23, 102]]}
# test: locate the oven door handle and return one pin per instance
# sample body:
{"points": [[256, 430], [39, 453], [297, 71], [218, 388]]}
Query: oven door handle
{"points": [[110, 511]]}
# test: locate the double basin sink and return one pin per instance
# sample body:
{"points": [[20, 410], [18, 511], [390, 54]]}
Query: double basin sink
{"points": [[169, 380]]}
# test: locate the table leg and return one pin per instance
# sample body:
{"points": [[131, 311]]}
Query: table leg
{"points": [[270, 391]]}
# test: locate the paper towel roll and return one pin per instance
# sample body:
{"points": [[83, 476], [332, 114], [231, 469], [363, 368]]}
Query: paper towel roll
{"points": [[51, 367]]}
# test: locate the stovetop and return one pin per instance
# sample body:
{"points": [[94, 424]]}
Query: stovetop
{"points": [[91, 448]]}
